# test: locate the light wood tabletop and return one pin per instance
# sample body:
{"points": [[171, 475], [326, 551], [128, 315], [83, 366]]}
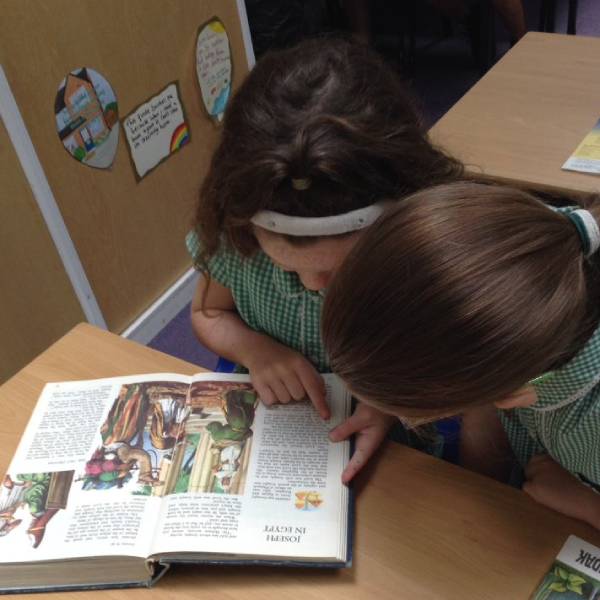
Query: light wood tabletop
{"points": [[425, 529], [528, 114]]}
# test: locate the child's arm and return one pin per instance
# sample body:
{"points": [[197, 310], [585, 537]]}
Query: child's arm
{"points": [[484, 445], [278, 373], [370, 426], [553, 486]]}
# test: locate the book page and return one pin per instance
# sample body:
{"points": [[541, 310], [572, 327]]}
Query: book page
{"points": [[86, 477], [257, 480]]}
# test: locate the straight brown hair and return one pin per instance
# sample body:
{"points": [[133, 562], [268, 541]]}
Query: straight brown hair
{"points": [[458, 296]]}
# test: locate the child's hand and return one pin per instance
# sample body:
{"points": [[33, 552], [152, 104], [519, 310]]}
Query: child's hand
{"points": [[370, 426], [280, 374], [553, 486]]}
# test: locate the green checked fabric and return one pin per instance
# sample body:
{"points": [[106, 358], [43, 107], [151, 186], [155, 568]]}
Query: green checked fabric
{"points": [[565, 421], [270, 300], [275, 302]]}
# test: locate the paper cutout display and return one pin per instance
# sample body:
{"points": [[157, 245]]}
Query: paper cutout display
{"points": [[87, 117], [213, 67], [156, 129]]}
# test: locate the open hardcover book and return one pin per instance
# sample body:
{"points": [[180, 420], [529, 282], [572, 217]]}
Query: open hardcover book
{"points": [[115, 479]]}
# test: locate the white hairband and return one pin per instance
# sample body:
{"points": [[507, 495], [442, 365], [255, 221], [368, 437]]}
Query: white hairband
{"points": [[588, 230], [319, 226]]}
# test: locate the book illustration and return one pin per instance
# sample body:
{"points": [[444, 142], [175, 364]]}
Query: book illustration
{"points": [[565, 583], [140, 431], [218, 439], [31, 500], [213, 67], [87, 117], [158, 441], [112, 465], [308, 500]]}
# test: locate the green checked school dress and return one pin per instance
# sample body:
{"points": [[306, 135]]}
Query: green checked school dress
{"points": [[270, 300], [273, 301], [565, 421]]}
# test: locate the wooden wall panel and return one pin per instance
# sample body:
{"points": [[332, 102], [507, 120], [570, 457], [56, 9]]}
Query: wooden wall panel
{"points": [[129, 236], [37, 302]]}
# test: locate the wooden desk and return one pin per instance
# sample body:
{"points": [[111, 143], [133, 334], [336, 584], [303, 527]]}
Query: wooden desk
{"points": [[425, 529], [526, 116]]}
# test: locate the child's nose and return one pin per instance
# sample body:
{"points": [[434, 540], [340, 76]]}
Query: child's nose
{"points": [[315, 281]]}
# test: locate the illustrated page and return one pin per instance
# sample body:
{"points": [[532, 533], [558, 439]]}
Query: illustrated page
{"points": [[251, 479], [90, 470]]}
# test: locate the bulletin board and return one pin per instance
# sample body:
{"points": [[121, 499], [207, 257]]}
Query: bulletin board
{"points": [[129, 234], [35, 287]]}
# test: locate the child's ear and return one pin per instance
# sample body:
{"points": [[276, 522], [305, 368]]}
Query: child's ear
{"points": [[526, 396]]}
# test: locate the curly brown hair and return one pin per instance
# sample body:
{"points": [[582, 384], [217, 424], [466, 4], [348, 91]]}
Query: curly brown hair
{"points": [[328, 110], [458, 296]]}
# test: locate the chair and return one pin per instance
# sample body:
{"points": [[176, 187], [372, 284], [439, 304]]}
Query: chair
{"points": [[481, 25], [548, 16]]}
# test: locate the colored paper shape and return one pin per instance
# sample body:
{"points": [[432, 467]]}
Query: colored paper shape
{"points": [[87, 117], [156, 129], [213, 67]]}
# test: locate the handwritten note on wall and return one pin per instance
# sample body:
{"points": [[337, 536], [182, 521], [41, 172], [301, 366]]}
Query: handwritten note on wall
{"points": [[213, 67], [156, 129]]}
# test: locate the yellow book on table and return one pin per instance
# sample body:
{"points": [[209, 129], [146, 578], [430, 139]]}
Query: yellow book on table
{"points": [[586, 157]]}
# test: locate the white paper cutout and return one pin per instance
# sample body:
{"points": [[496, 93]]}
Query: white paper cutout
{"points": [[213, 67], [87, 117], [156, 129]]}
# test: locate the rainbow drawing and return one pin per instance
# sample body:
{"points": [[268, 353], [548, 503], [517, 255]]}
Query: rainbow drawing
{"points": [[180, 137]]}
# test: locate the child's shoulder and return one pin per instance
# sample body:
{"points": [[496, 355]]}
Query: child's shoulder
{"points": [[228, 261]]}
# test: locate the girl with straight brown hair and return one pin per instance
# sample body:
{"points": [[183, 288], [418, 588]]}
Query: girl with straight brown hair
{"points": [[465, 296]]}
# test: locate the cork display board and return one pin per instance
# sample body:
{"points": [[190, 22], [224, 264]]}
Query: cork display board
{"points": [[38, 301], [129, 232]]}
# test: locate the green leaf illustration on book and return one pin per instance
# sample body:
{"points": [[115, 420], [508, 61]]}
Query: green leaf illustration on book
{"points": [[562, 581]]}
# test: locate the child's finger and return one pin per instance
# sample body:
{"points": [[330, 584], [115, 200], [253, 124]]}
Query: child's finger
{"points": [[265, 394], [534, 466], [280, 391], [530, 489], [366, 444], [295, 387], [539, 459], [315, 388], [354, 466], [344, 430]]}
